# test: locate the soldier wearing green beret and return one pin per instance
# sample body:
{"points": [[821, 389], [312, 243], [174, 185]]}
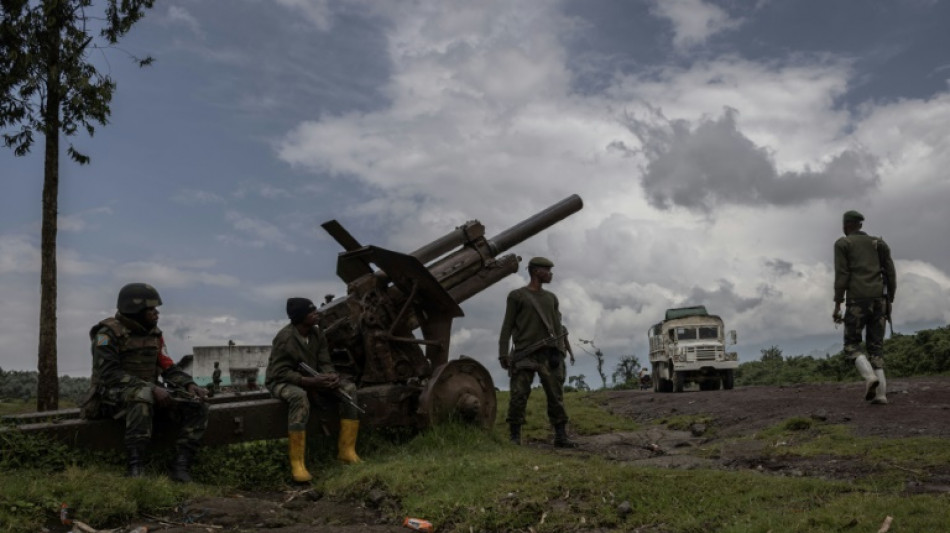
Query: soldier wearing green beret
{"points": [[865, 281], [533, 323]]}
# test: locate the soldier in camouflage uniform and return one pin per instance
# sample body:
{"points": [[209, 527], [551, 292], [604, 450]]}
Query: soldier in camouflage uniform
{"points": [[302, 341], [129, 355], [864, 274], [533, 322]]}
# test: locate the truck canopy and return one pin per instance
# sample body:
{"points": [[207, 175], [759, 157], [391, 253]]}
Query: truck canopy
{"points": [[680, 312]]}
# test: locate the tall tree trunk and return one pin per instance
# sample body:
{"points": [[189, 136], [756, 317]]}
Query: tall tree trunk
{"points": [[47, 391]]}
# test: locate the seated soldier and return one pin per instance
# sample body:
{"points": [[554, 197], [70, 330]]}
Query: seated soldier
{"points": [[129, 355], [302, 341]]}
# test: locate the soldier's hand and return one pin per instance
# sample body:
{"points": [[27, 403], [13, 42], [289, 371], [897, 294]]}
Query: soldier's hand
{"points": [[162, 396], [887, 309], [572, 359], [505, 361], [323, 381], [200, 392]]}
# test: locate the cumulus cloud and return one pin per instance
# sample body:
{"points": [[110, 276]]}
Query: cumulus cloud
{"points": [[165, 275], [317, 12], [257, 233], [712, 164], [180, 15], [694, 21]]}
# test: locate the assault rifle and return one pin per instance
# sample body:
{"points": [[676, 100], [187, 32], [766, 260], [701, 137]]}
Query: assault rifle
{"points": [[886, 280], [339, 393], [528, 350]]}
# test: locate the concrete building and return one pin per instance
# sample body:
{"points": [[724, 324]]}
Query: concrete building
{"points": [[240, 365]]}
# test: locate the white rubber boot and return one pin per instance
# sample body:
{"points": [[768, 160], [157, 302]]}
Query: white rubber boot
{"points": [[867, 372], [881, 396]]}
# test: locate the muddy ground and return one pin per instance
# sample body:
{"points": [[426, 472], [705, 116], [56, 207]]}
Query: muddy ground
{"points": [[918, 407]]}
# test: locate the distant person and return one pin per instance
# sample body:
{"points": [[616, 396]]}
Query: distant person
{"points": [[866, 281], [129, 355], [302, 341], [533, 322], [215, 380]]}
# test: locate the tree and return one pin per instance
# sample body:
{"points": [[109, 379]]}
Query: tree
{"points": [[626, 370], [599, 355], [578, 383], [773, 353], [48, 86]]}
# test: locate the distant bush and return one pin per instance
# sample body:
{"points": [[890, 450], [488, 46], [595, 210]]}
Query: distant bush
{"points": [[926, 352]]}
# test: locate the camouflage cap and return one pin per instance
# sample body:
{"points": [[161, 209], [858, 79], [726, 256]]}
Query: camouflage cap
{"points": [[540, 262], [852, 216]]}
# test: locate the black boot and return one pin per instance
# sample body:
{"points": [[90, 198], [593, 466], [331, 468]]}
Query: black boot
{"points": [[180, 470], [136, 460], [560, 437], [515, 437]]}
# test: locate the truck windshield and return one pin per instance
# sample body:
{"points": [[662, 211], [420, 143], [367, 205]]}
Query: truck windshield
{"points": [[700, 332]]}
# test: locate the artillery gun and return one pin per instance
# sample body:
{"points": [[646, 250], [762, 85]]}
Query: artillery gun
{"points": [[405, 380]]}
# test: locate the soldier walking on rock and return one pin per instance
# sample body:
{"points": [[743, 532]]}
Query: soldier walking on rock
{"points": [[533, 323], [302, 341], [865, 281], [129, 355]]}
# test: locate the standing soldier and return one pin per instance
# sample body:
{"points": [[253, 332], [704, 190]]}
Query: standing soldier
{"points": [[129, 355], [302, 341], [864, 271], [533, 322], [215, 380]]}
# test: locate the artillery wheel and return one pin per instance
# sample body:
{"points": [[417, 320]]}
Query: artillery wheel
{"points": [[461, 389]]}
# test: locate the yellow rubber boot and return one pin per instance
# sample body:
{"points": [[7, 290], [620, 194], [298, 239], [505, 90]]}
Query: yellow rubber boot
{"points": [[347, 444], [298, 448]]}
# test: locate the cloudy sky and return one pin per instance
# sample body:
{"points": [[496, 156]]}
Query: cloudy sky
{"points": [[715, 145]]}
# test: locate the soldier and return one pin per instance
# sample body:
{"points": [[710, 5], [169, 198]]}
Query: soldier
{"points": [[864, 271], [302, 341], [129, 355], [215, 380], [533, 322]]}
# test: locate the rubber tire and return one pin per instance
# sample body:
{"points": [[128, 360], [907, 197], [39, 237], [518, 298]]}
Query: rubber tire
{"points": [[678, 381], [728, 379]]}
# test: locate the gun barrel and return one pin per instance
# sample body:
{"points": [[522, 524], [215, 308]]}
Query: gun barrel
{"points": [[533, 225]]}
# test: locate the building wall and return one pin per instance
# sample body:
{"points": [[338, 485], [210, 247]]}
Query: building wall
{"points": [[234, 361]]}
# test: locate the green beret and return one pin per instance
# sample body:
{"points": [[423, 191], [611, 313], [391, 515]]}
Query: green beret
{"points": [[540, 262], [853, 216]]}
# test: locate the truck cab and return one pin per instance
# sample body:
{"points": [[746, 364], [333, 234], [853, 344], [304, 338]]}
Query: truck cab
{"points": [[689, 346]]}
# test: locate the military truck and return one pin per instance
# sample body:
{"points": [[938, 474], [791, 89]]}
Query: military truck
{"points": [[689, 346]]}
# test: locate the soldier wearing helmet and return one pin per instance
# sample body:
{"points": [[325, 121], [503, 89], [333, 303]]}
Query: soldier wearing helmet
{"points": [[865, 282], [129, 357]]}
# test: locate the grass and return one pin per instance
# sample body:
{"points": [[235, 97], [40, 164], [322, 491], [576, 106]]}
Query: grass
{"points": [[464, 480]]}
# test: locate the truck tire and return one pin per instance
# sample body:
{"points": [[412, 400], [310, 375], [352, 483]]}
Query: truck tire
{"points": [[728, 379], [660, 384], [678, 381]]}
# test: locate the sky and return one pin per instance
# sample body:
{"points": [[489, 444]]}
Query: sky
{"points": [[715, 145]]}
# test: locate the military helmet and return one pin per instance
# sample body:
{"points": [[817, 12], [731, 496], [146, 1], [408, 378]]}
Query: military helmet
{"points": [[136, 297]]}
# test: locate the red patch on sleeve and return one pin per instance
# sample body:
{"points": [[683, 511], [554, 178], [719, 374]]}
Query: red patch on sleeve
{"points": [[164, 362]]}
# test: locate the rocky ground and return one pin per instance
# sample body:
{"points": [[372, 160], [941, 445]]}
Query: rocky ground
{"points": [[918, 407]]}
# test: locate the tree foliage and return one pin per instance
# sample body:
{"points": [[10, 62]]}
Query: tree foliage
{"points": [[625, 373], [49, 86], [926, 352]]}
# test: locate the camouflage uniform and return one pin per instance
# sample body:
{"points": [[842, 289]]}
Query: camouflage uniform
{"points": [[127, 361], [523, 325], [288, 350], [858, 275]]}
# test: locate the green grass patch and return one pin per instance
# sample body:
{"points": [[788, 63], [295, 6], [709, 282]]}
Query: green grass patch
{"points": [[587, 417], [460, 478]]}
